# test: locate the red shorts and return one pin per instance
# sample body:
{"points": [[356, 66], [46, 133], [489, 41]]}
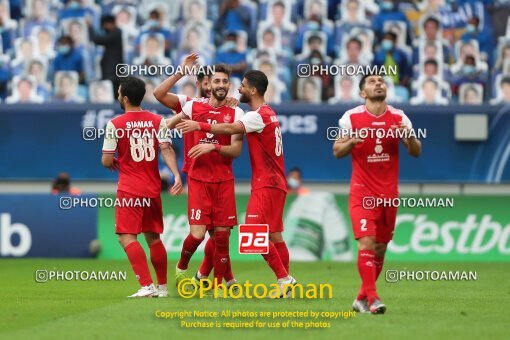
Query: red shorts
{"points": [[266, 207], [211, 204], [133, 219], [378, 221]]}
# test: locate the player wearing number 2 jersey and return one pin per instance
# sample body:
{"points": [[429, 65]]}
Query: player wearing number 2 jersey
{"points": [[374, 175], [136, 136], [269, 188]]}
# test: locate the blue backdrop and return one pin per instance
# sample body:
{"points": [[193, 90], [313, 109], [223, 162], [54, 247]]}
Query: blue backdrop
{"points": [[35, 226], [38, 141]]}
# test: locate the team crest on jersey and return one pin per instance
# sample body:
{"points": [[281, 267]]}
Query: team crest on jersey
{"points": [[227, 118]]}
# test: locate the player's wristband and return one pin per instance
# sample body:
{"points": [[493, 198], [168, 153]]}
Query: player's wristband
{"points": [[205, 126], [217, 147]]}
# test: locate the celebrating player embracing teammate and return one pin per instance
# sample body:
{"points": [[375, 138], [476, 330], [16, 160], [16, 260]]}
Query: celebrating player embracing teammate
{"points": [[374, 175], [176, 102], [269, 187], [135, 136], [211, 197]]}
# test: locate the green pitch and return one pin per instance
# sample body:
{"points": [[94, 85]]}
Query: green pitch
{"points": [[99, 310]]}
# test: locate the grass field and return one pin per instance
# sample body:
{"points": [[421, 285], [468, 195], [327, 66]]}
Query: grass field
{"points": [[99, 309]]}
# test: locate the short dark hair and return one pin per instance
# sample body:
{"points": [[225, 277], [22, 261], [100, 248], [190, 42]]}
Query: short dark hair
{"points": [[393, 35], [505, 80], [66, 39], [355, 40], [364, 79], [314, 37], [202, 73], [296, 169], [222, 68], [258, 80], [431, 19], [134, 89], [431, 62]]}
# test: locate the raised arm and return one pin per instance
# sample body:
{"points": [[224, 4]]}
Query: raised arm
{"points": [[162, 91], [175, 120], [170, 159]]}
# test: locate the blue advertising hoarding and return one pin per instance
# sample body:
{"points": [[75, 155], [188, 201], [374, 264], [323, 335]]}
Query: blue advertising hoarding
{"points": [[40, 141]]}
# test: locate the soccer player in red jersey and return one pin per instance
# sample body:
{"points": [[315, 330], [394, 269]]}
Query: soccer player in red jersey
{"points": [[136, 136], [211, 198], [374, 175], [269, 185], [176, 102]]}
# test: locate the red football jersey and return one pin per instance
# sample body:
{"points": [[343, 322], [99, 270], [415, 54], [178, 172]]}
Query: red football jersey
{"points": [[188, 138], [264, 136], [136, 136], [375, 161], [211, 167]]}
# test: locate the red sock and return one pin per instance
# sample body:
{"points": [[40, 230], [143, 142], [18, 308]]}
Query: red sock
{"points": [[138, 261], [221, 255], [228, 273], [189, 247], [378, 262], [281, 247], [273, 260], [207, 263], [159, 261], [366, 270]]}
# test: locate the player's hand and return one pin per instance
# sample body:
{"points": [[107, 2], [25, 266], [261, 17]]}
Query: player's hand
{"points": [[200, 149], [403, 130], [189, 61], [188, 126], [177, 187], [115, 165], [231, 102], [355, 141]]}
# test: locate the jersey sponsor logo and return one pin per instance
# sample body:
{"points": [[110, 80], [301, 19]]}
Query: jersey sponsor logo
{"points": [[385, 157], [253, 239], [215, 112], [378, 123], [139, 124]]}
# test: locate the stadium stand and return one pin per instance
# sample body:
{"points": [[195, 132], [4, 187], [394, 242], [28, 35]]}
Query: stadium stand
{"points": [[455, 43]]}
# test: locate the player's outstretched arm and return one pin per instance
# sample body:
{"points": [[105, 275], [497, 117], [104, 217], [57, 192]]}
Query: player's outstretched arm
{"points": [[173, 121], [233, 150], [162, 91], [170, 159], [217, 129], [343, 146]]}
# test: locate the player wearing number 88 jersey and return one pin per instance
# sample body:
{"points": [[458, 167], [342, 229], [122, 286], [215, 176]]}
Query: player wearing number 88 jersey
{"points": [[136, 136]]}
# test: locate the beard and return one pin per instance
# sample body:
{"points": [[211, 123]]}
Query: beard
{"points": [[205, 93], [378, 96], [244, 99], [218, 97]]}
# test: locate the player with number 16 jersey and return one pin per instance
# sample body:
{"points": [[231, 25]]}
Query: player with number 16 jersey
{"points": [[269, 188]]}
